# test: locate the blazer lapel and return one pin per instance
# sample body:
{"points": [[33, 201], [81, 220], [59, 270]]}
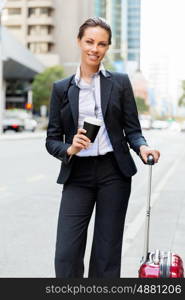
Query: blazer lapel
{"points": [[105, 88], [73, 96]]}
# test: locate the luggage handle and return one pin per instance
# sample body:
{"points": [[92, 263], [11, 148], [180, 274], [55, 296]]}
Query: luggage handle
{"points": [[150, 159], [150, 162]]}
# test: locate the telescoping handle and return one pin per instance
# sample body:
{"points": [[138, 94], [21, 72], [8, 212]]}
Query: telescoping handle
{"points": [[150, 162]]}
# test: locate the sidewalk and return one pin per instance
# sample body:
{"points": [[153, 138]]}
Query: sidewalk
{"points": [[167, 224], [22, 135]]}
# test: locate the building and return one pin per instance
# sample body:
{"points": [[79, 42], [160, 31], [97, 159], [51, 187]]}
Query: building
{"points": [[48, 28], [157, 71], [112, 11], [32, 23], [133, 8], [124, 18], [69, 15], [19, 68], [100, 8], [140, 86]]}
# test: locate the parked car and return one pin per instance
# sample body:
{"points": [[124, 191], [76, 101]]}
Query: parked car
{"points": [[159, 124], [145, 121], [183, 126], [175, 126], [18, 120]]}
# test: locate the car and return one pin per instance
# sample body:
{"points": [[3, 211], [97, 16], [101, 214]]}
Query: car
{"points": [[12, 122], [145, 121], [145, 124], [159, 124], [18, 120], [183, 126], [175, 126]]}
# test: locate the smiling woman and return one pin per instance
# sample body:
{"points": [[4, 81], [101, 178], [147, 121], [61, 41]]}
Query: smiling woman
{"points": [[94, 39], [93, 45], [97, 172]]}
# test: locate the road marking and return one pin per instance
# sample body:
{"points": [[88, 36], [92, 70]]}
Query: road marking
{"points": [[36, 178], [134, 227]]}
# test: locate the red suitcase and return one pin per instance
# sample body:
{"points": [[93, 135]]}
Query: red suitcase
{"points": [[158, 263]]}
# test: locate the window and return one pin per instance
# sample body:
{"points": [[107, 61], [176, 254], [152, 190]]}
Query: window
{"points": [[14, 11], [38, 48], [31, 30], [43, 29], [14, 27], [31, 12], [133, 56], [133, 43], [44, 11]]}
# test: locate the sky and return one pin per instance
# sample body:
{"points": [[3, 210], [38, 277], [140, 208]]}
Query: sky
{"points": [[163, 33]]}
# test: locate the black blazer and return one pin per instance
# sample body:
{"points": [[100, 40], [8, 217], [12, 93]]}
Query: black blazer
{"points": [[120, 117]]}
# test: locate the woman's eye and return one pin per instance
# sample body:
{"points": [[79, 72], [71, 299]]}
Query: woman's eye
{"points": [[89, 42]]}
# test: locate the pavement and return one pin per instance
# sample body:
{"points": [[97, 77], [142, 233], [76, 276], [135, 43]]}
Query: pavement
{"points": [[30, 199], [10, 136]]}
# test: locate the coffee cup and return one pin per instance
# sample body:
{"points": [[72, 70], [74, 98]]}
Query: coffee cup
{"points": [[92, 125]]}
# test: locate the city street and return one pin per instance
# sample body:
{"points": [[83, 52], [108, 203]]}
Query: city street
{"points": [[30, 199]]}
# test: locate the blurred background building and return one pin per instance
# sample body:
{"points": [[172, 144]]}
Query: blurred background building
{"points": [[48, 28], [124, 18]]}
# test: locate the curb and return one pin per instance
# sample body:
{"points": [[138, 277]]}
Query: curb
{"points": [[22, 136]]}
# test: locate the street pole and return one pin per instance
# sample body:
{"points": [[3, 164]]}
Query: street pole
{"points": [[1, 72]]}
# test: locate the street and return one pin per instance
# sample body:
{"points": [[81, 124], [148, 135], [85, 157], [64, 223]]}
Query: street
{"points": [[30, 199]]}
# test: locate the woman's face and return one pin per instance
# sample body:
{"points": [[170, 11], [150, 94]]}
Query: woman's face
{"points": [[93, 45]]}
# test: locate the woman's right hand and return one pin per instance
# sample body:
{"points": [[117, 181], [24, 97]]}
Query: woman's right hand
{"points": [[80, 141]]}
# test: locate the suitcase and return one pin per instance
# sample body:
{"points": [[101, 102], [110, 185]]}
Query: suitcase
{"points": [[157, 264]]}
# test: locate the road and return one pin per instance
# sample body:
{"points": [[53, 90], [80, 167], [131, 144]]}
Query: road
{"points": [[30, 199]]}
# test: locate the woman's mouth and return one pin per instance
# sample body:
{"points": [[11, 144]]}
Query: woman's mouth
{"points": [[93, 57]]}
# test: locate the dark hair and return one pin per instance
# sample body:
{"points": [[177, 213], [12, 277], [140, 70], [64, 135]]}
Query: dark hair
{"points": [[93, 22]]}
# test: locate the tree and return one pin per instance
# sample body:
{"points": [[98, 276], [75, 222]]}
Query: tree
{"points": [[181, 101], [42, 85], [108, 64], [141, 105]]}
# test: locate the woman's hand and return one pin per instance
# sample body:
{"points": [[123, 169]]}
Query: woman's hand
{"points": [[145, 151], [80, 141]]}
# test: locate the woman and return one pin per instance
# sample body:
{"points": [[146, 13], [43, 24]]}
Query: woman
{"points": [[93, 173]]}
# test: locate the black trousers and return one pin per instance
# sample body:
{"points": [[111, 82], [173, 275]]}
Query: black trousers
{"points": [[93, 180]]}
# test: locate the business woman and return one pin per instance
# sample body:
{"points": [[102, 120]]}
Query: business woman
{"points": [[93, 173]]}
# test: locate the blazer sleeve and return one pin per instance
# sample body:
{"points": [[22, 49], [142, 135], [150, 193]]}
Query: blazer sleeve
{"points": [[131, 122], [55, 144]]}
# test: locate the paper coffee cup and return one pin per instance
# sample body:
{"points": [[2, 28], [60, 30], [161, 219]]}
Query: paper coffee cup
{"points": [[92, 125]]}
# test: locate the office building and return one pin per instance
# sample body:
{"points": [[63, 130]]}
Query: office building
{"points": [[112, 11], [124, 18], [32, 23], [48, 28], [133, 31]]}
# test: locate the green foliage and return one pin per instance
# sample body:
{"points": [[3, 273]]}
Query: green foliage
{"points": [[108, 64], [141, 105], [181, 101], [42, 85]]}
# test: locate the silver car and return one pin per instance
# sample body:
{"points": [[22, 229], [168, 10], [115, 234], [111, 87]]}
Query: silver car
{"points": [[18, 120]]}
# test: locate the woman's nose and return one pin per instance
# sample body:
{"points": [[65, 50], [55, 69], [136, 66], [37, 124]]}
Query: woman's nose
{"points": [[94, 47]]}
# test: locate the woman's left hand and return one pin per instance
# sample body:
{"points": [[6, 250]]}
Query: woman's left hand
{"points": [[145, 151]]}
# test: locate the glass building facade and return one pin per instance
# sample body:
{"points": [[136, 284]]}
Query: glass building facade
{"points": [[124, 18], [133, 30], [100, 8], [111, 10]]}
